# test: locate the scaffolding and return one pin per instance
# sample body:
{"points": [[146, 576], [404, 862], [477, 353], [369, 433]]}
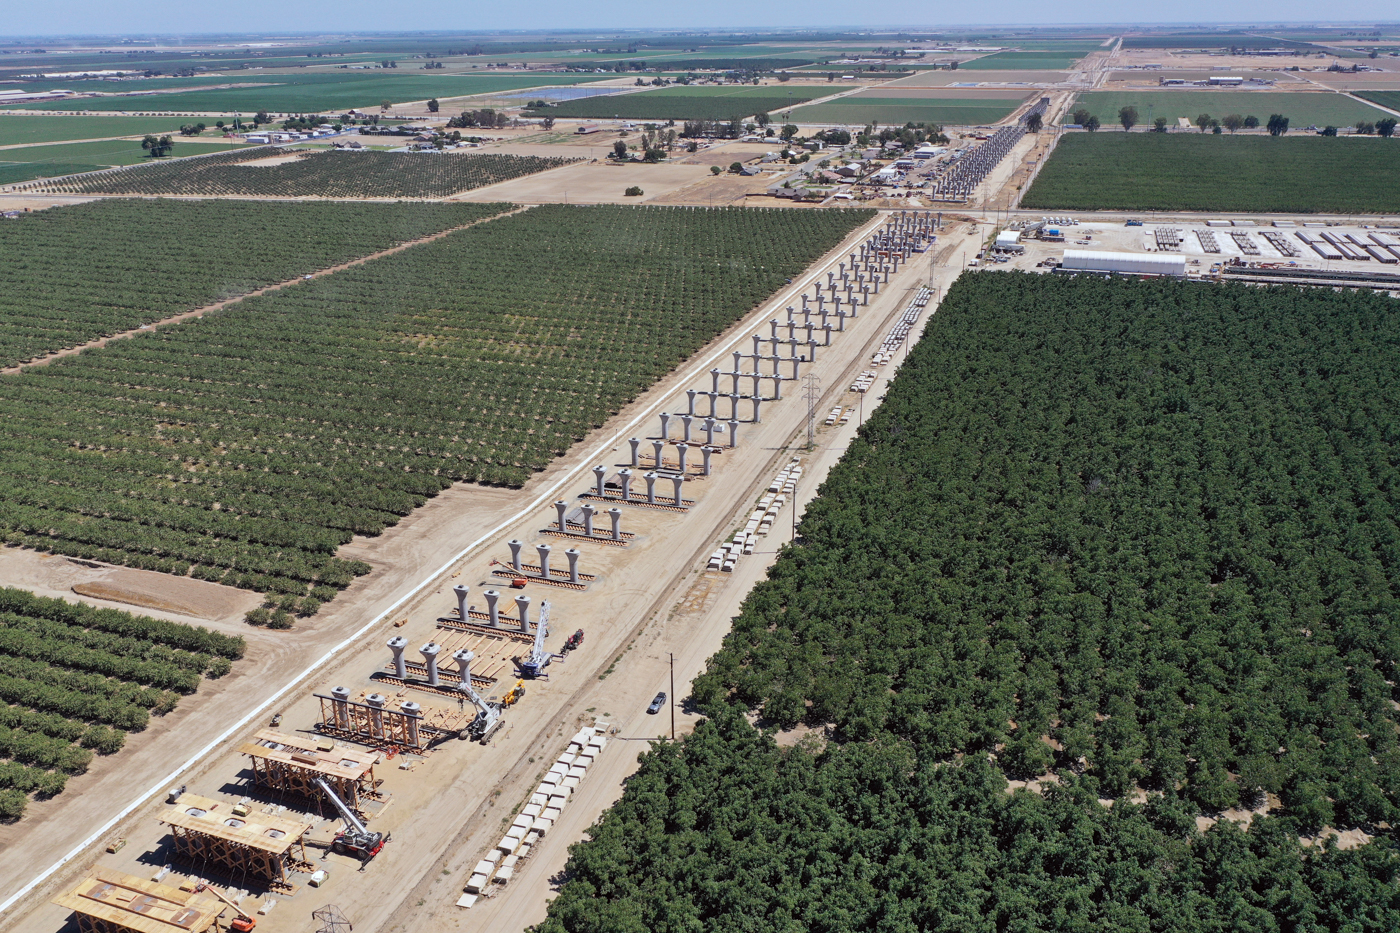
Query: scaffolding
{"points": [[372, 725], [290, 765], [112, 902], [208, 835]]}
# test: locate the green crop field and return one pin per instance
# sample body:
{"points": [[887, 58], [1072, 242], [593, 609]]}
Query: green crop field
{"points": [[1213, 40], [1134, 539], [896, 111], [1302, 108], [75, 680], [157, 259], [20, 130], [314, 93], [1027, 61], [1181, 171], [51, 161], [247, 446], [323, 173], [691, 103], [1388, 99]]}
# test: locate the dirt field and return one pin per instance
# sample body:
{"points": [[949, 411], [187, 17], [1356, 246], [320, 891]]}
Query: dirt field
{"points": [[590, 183], [632, 586], [946, 78]]}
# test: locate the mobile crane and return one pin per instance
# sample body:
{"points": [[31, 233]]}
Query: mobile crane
{"points": [[355, 840], [488, 715], [539, 659], [242, 923]]}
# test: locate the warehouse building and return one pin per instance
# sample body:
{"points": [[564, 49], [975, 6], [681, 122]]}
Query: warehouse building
{"points": [[1084, 260]]}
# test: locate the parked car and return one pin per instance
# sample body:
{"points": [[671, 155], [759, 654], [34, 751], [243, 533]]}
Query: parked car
{"points": [[656, 703]]}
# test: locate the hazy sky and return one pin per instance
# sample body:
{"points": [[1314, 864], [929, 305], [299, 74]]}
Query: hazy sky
{"points": [[90, 17]]}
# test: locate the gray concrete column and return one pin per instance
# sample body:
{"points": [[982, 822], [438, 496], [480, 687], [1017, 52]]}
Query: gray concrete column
{"points": [[430, 653], [340, 707], [651, 487], [543, 550], [714, 379], [706, 453], [522, 606], [676, 489], [599, 472], [656, 448], [733, 405], [689, 404], [777, 388], [616, 516], [756, 379], [738, 361], [461, 591], [412, 713], [665, 425], [735, 378], [733, 434], [562, 508], [755, 401], [493, 611], [772, 331], [757, 339], [572, 554], [826, 334], [626, 477], [685, 433], [681, 451], [397, 644], [709, 430], [636, 442], [515, 547], [464, 658]]}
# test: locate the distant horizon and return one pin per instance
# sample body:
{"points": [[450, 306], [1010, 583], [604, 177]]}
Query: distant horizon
{"points": [[126, 19]]}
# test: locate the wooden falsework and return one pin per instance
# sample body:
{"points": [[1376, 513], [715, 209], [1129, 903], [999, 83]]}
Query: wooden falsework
{"points": [[380, 726], [256, 846], [112, 902], [288, 764]]}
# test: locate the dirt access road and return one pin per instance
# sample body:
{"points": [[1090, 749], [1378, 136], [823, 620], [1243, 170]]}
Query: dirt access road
{"points": [[624, 595]]}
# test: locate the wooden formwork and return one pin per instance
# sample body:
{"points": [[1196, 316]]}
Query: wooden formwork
{"points": [[113, 902], [287, 764], [379, 726], [208, 836]]}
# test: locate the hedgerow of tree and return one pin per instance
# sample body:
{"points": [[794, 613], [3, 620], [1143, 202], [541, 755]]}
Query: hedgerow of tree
{"points": [[248, 446], [1135, 539], [75, 679], [327, 174], [77, 273]]}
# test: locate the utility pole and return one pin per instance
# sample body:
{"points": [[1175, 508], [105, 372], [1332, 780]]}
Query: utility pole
{"points": [[812, 393], [673, 697]]}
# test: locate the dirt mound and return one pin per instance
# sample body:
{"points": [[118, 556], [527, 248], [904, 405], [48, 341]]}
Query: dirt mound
{"points": [[158, 591]]}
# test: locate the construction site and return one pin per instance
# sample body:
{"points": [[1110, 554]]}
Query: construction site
{"points": [[444, 759]]}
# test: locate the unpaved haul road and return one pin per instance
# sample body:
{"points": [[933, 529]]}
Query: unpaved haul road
{"points": [[119, 801]]}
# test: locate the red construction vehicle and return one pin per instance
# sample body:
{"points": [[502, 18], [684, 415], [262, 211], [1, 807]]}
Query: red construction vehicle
{"points": [[242, 923], [574, 641]]}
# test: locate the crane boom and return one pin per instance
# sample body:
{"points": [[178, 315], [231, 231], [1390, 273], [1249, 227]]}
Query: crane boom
{"points": [[346, 813], [539, 658], [356, 840]]}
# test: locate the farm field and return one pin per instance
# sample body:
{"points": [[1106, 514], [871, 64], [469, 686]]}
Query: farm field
{"points": [[896, 111], [1028, 61], [247, 446], [322, 173], [946, 78], [154, 259], [1212, 40], [1301, 108], [1204, 172], [23, 130], [692, 103], [75, 680], [312, 93], [48, 161], [1126, 538], [1388, 99]]}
